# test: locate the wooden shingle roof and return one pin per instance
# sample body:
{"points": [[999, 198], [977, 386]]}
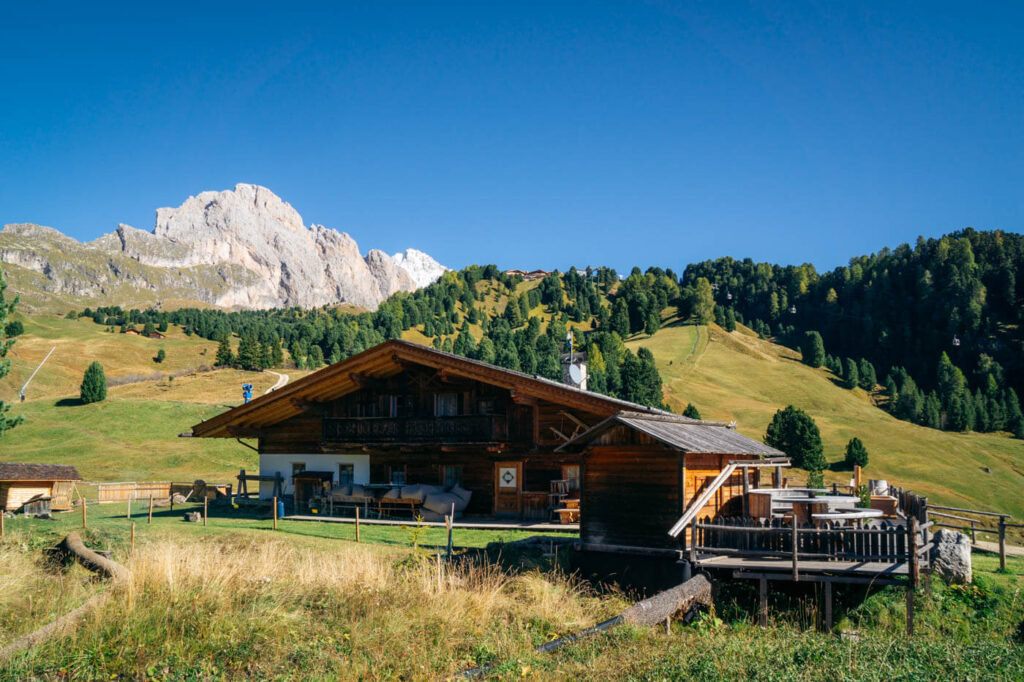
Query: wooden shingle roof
{"points": [[21, 471], [680, 433], [389, 359]]}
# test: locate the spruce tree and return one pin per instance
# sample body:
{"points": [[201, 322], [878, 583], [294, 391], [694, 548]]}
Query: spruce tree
{"points": [[224, 357], [249, 355], [148, 328], [851, 377], [652, 324], [94, 384], [856, 453], [794, 432], [1014, 416], [730, 320], [813, 349], [691, 411], [932, 414], [161, 355], [703, 301], [316, 357], [868, 378], [6, 342], [620, 318]]}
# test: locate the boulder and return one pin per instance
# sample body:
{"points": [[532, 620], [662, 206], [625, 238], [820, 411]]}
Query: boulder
{"points": [[178, 498], [193, 517], [951, 556]]}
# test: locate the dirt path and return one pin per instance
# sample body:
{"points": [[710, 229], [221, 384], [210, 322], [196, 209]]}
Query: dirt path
{"points": [[282, 379], [993, 547]]}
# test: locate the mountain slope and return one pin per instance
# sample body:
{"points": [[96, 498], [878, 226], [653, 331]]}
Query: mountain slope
{"points": [[737, 376], [243, 248]]}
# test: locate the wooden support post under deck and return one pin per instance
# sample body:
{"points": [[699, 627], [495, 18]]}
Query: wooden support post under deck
{"points": [[777, 483], [693, 540], [828, 606], [762, 611], [796, 573], [746, 490]]}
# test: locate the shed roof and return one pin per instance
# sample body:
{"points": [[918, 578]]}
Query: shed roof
{"points": [[20, 471], [388, 359], [681, 434]]}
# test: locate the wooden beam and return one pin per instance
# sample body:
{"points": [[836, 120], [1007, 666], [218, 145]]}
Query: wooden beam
{"points": [[520, 399], [244, 431], [560, 434], [579, 422]]}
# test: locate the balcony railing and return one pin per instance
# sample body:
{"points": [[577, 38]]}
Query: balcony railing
{"points": [[460, 429]]}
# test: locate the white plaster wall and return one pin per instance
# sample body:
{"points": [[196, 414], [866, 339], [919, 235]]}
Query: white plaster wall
{"points": [[271, 464]]}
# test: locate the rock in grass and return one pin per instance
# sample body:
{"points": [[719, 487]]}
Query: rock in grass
{"points": [[951, 557], [193, 517]]}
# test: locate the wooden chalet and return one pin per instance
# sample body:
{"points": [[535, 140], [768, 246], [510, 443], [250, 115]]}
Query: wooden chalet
{"points": [[401, 414], [21, 483]]}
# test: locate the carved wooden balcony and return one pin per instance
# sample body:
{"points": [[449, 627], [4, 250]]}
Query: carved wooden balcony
{"points": [[459, 429]]}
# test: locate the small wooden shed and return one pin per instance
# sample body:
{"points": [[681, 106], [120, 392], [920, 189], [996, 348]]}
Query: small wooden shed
{"points": [[20, 482]]}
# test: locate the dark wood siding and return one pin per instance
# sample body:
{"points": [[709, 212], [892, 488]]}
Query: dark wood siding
{"points": [[630, 496], [300, 434]]}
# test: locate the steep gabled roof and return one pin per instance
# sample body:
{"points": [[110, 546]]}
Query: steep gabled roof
{"points": [[679, 433], [386, 360], [20, 471]]}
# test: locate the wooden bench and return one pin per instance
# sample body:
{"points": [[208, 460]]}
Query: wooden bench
{"points": [[394, 506], [567, 516]]}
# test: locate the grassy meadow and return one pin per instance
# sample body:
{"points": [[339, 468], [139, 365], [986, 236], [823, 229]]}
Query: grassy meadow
{"points": [[236, 600], [737, 376]]}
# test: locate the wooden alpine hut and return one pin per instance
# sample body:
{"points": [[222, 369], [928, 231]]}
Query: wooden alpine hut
{"points": [[21, 483], [408, 425]]}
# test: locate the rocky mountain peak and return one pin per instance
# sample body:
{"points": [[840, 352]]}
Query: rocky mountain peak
{"points": [[258, 246]]}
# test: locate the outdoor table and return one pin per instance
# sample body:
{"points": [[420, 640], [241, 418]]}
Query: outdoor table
{"points": [[848, 515], [804, 508]]}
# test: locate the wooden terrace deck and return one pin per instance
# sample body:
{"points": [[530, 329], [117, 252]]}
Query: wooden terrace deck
{"points": [[475, 524]]}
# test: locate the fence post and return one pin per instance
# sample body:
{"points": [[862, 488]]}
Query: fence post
{"points": [[796, 573], [131, 550], [3, 531], [357, 523], [1002, 543], [150, 509], [84, 505], [914, 575], [275, 512], [205, 502], [129, 509]]}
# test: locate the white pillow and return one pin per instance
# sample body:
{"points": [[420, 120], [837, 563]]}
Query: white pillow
{"points": [[357, 491], [441, 503], [462, 493]]}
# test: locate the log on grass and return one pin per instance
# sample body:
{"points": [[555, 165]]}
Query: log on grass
{"points": [[70, 548]]}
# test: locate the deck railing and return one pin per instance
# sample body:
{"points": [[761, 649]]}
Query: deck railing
{"points": [[476, 428]]}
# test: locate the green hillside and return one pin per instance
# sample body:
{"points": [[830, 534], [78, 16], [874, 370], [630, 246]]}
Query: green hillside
{"points": [[737, 376]]}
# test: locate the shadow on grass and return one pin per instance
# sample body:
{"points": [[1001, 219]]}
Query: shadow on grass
{"points": [[69, 402]]}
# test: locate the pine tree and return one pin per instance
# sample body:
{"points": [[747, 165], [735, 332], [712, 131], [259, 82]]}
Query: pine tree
{"points": [[932, 413], [620, 318], [909, 402], [691, 411], [956, 413], [161, 355], [652, 324], [276, 353], [249, 356], [794, 432], [813, 349], [148, 328], [6, 309], [316, 357], [868, 378], [94, 384], [224, 357], [856, 453], [1014, 416], [730, 320], [512, 313], [851, 377], [951, 380]]}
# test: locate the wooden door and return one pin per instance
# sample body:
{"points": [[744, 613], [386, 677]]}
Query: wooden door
{"points": [[508, 488]]}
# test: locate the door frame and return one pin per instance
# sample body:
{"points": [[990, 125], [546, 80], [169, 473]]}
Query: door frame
{"points": [[498, 466]]}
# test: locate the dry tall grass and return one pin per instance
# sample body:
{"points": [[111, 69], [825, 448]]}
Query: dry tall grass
{"points": [[244, 606]]}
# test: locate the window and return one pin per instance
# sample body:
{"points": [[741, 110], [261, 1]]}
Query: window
{"points": [[446, 405], [298, 468], [397, 475], [571, 473], [346, 474], [485, 406], [388, 406], [452, 475]]}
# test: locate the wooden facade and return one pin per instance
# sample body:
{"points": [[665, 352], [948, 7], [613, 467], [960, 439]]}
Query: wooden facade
{"points": [[21, 482], [421, 416]]}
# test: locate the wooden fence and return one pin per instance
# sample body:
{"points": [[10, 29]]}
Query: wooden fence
{"points": [[972, 527], [158, 490], [874, 541]]}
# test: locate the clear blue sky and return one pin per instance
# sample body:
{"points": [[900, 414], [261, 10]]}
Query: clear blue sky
{"points": [[528, 134]]}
